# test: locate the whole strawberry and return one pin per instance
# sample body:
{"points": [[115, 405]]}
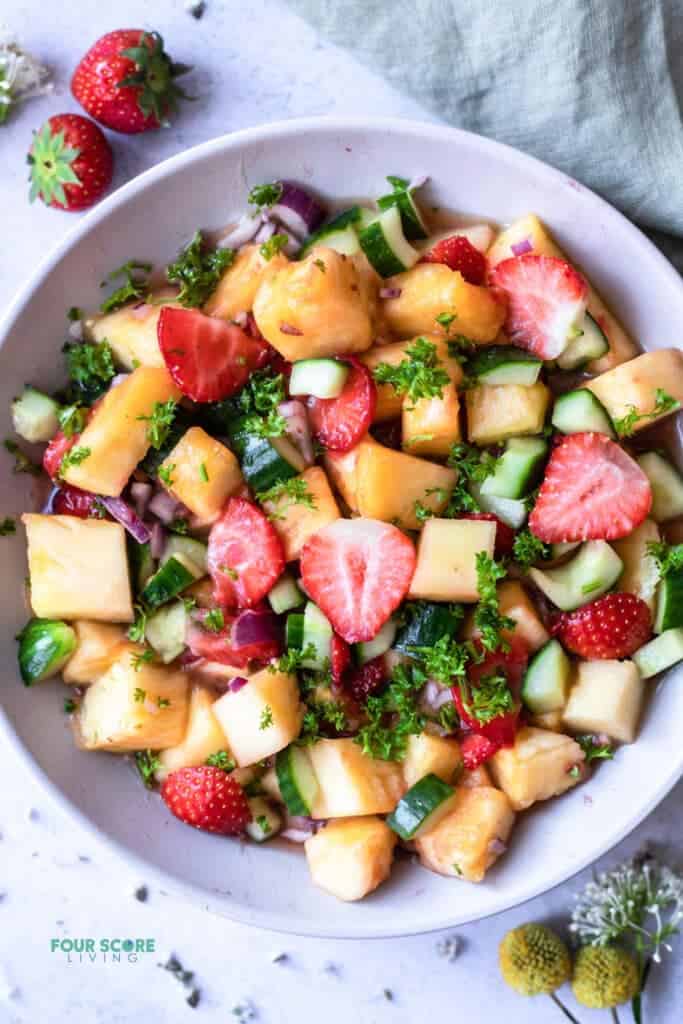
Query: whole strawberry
{"points": [[126, 81], [207, 798], [71, 162], [614, 626]]}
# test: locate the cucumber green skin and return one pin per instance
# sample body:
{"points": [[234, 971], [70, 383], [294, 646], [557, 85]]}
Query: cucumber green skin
{"points": [[375, 246], [317, 633], [45, 646], [306, 376], [262, 466], [167, 583], [294, 631], [417, 805], [182, 421], [659, 654], [517, 469], [285, 595], [505, 364], [580, 580], [142, 565], [428, 624], [546, 679], [195, 550], [591, 345], [579, 411], [288, 776], [413, 227], [669, 613], [345, 219], [165, 631], [667, 486]]}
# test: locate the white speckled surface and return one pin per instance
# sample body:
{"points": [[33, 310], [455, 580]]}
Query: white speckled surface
{"points": [[255, 63]]}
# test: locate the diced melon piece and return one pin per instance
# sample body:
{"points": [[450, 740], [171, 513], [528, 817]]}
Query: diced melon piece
{"points": [[389, 402], [446, 559], [215, 673], [342, 469], [264, 716], [389, 483], [351, 856], [633, 385], [515, 604], [540, 765], [471, 837], [295, 522], [551, 720], [78, 568], [606, 698], [237, 287], [133, 706], [640, 575], [352, 783], [116, 435], [132, 331], [429, 289], [97, 646], [431, 426], [437, 755], [508, 410], [203, 736], [270, 785], [475, 777], [203, 474]]}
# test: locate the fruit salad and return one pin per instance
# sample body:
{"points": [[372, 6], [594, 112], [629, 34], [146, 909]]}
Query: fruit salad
{"points": [[359, 531]]}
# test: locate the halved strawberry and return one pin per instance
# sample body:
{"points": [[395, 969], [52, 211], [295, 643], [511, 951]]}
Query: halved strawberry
{"points": [[458, 253], [499, 728], [208, 358], [592, 490], [505, 535], [245, 555], [546, 302], [367, 680], [253, 635], [207, 798], [340, 658], [55, 452], [339, 423], [358, 571], [614, 626], [72, 501], [476, 749]]}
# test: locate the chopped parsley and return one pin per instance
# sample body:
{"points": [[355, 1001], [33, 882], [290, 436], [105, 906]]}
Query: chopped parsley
{"points": [[179, 526], [318, 715], [136, 631], [259, 401], [273, 246], [165, 474], [163, 702], [320, 264], [393, 716], [448, 717], [221, 759], [147, 763], [134, 286], [189, 603], [528, 549], [422, 513], [141, 658], [285, 494], [594, 749], [473, 466], [664, 403], [198, 270], [487, 700], [214, 620], [419, 376], [74, 314], [159, 422], [292, 660], [72, 419], [445, 661], [139, 695], [203, 473], [90, 365], [7, 527], [445, 320], [74, 457], [669, 557], [266, 719], [266, 195], [22, 463], [70, 706], [487, 618]]}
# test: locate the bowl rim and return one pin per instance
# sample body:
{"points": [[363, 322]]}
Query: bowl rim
{"points": [[227, 906]]}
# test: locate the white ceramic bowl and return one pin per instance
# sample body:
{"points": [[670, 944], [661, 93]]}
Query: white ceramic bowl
{"points": [[149, 219]]}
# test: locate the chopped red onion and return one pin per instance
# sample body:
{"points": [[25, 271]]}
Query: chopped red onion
{"points": [[157, 540], [125, 515], [236, 684], [141, 493], [390, 293], [297, 835], [164, 506], [266, 231], [297, 210], [298, 428], [434, 696], [288, 329], [519, 248], [118, 379], [253, 626], [243, 232], [48, 507], [75, 330], [497, 847], [418, 182]]}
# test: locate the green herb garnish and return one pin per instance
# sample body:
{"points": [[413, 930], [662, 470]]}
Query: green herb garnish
{"points": [[419, 376], [74, 457], [487, 618], [198, 270], [147, 763], [285, 494], [214, 620], [90, 365], [273, 246], [221, 759], [595, 748], [22, 463], [669, 557], [7, 527], [165, 474], [393, 716], [159, 422], [664, 403], [72, 419], [134, 286], [528, 549], [266, 195], [266, 719]]}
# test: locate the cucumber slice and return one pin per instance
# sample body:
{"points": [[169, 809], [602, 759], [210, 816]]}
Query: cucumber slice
{"points": [[511, 511], [659, 654], [591, 344], [341, 233], [265, 462], [34, 416], [285, 595], [546, 680], [428, 623], [322, 378], [385, 245], [588, 575], [422, 807], [182, 421], [414, 227], [294, 631], [192, 549], [170, 580], [142, 565], [517, 469], [165, 631], [318, 634], [669, 613], [563, 548], [45, 646], [265, 821], [505, 364], [578, 411], [297, 780], [379, 644], [667, 487]]}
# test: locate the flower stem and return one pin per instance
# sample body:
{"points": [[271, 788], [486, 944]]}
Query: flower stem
{"points": [[558, 1002], [643, 971]]}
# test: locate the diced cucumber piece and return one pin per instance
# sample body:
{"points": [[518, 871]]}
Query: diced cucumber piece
{"points": [[517, 469], [661, 653], [428, 623], [563, 548], [322, 378], [45, 646], [341, 233], [379, 644], [142, 565], [385, 245], [170, 580], [165, 631], [414, 227], [297, 779], [591, 344], [285, 595], [317, 634], [195, 550], [34, 416], [265, 821], [588, 575], [669, 613], [265, 462], [505, 364], [422, 807], [294, 631], [667, 486], [546, 680], [579, 411], [511, 511]]}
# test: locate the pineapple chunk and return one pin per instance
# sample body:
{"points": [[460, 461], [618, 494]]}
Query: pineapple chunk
{"points": [[98, 645], [514, 603], [352, 783], [388, 483], [261, 718], [389, 402], [538, 766], [132, 331], [633, 385], [607, 697], [202, 738], [351, 856], [295, 522], [116, 436], [237, 288], [476, 777], [471, 837], [622, 347], [431, 425], [121, 711], [436, 755], [78, 568], [203, 474], [446, 559], [640, 575], [429, 289], [342, 469], [509, 410]]}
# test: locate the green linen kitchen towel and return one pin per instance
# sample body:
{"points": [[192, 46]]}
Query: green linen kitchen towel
{"points": [[594, 87]]}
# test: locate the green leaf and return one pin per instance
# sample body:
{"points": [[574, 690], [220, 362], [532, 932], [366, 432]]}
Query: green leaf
{"points": [[198, 270]]}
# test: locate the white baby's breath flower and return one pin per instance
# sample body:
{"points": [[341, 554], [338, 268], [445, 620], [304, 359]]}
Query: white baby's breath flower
{"points": [[21, 75]]}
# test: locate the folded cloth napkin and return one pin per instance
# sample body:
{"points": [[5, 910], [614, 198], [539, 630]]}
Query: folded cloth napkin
{"points": [[594, 87]]}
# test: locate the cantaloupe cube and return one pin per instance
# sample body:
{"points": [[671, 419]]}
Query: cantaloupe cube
{"points": [[351, 856], [633, 385], [116, 436], [133, 706], [514, 603], [132, 331], [471, 838], [389, 483], [431, 426], [295, 522], [270, 785], [446, 559], [389, 402], [261, 718], [540, 765], [607, 697], [476, 777], [509, 410], [98, 645], [352, 783], [203, 736], [437, 755], [237, 287], [429, 289], [551, 720], [342, 470], [640, 575], [78, 568], [203, 474]]}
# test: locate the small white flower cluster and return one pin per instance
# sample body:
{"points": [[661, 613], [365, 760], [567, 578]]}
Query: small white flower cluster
{"points": [[21, 74]]}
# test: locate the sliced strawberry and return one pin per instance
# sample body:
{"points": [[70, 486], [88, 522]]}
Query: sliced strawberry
{"points": [[208, 358], [592, 490], [340, 423], [458, 253], [207, 798], [476, 749], [505, 535], [367, 680], [358, 571], [253, 635], [55, 452], [546, 302], [501, 728], [245, 555], [72, 501], [340, 658], [614, 626]]}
